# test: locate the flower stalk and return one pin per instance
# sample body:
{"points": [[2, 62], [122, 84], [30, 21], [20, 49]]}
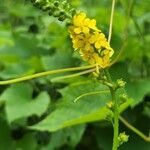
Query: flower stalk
{"points": [[46, 73], [113, 90]]}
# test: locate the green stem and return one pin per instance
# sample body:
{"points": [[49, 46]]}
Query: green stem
{"points": [[91, 93], [116, 120], [72, 75], [37, 75], [125, 32], [116, 112], [139, 133], [112, 89], [111, 20]]}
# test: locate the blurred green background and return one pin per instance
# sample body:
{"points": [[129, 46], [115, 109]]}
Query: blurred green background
{"points": [[31, 42]]}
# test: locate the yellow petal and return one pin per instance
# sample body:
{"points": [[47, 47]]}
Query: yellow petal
{"points": [[92, 23], [85, 30], [77, 30], [97, 45], [86, 22], [88, 47], [92, 39], [79, 19]]}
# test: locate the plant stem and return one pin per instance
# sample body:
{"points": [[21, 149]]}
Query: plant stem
{"points": [[72, 75], [37, 75], [125, 32], [91, 93], [116, 112], [139, 133], [116, 120], [112, 90], [111, 20]]}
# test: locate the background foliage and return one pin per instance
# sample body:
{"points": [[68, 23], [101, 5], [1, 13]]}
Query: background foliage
{"points": [[31, 41]]}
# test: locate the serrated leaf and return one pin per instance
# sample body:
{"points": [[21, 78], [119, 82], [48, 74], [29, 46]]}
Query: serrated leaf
{"points": [[19, 102]]}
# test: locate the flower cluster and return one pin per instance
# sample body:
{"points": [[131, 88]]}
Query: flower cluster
{"points": [[90, 41], [58, 9]]}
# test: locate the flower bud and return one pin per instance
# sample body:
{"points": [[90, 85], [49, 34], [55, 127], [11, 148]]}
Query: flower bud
{"points": [[50, 12], [110, 105], [120, 83], [33, 1], [56, 14], [73, 12], [65, 5], [56, 3], [68, 22], [62, 18], [123, 138], [123, 98]]}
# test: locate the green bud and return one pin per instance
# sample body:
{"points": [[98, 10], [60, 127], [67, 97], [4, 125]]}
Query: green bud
{"points": [[50, 12], [123, 138], [56, 14], [73, 12], [62, 12], [47, 7], [110, 105], [120, 83], [36, 4], [65, 5], [62, 18], [56, 3], [68, 22], [123, 98], [33, 1], [39, 3]]}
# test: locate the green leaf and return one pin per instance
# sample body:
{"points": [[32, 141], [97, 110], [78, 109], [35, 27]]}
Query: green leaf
{"points": [[138, 89], [70, 136], [16, 70], [6, 38], [19, 102], [57, 61], [28, 142], [5, 139], [104, 140], [68, 113], [89, 109]]}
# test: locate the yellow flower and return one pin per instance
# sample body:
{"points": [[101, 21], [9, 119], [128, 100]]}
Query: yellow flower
{"points": [[90, 41], [99, 40], [83, 24]]}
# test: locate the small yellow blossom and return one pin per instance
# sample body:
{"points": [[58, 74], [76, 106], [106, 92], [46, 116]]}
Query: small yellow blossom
{"points": [[83, 24], [90, 41]]}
